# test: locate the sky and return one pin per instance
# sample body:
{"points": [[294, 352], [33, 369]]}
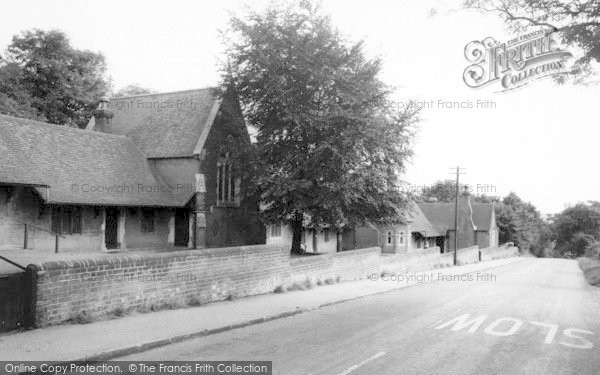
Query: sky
{"points": [[539, 141]]}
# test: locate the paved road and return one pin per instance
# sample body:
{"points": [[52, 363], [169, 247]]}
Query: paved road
{"points": [[537, 316]]}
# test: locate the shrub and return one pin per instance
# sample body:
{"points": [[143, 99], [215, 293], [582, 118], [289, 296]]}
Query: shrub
{"points": [[195, 301], [119, 311], [280, 289], [81, 317], [307, 284]]}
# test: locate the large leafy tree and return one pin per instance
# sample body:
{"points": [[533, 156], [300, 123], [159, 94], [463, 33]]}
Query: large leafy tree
{"points": [[328, 150], [520, 222], [576, 22], [44, 77], [576, 227]]}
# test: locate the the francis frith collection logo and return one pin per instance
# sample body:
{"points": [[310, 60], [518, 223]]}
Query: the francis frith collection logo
{"points": [[514, 63]]}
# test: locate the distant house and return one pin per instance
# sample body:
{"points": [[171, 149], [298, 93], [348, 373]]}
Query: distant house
{"points": [[149, 171], [476, 223], [413, 233], [322, 240], [410, 234]]}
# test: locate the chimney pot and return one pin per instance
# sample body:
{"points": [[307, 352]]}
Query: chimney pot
{"points": [[102, 116]]}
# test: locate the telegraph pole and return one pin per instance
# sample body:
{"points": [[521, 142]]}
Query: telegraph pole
{"points": [[458, 173]]}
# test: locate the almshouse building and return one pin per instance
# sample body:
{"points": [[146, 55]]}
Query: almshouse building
{"points": [[149, 171]]}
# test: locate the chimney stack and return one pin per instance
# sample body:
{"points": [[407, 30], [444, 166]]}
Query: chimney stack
{"points": [[102, 116]]}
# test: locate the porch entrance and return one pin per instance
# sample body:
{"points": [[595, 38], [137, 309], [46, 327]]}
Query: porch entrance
{"points": [[111, 228], [182, 227]]}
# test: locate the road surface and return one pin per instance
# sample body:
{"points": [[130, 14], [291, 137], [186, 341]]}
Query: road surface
{"points": [[536, 316]]}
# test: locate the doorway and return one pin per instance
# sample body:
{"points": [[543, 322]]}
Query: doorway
{"points": [[182, 227], [111, 228]]}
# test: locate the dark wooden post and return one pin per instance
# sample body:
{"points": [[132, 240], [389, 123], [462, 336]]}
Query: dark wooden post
{"points": [[25, 237], [56, 245]]}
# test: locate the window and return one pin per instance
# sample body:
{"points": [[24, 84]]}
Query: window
{"points": [[275, 230], [389, 238], [147, 220], [326, 235], [66, 220], [227, 190], [401, 238]]}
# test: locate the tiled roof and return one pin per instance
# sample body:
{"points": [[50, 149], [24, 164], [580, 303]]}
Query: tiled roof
{"points": [[164, 125], [73, 162], [16, 168], [419, 223], [482, 215], [441, 215]]}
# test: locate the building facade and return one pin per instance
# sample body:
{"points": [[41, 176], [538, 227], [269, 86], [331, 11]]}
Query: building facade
{"points": [[149, 171]]}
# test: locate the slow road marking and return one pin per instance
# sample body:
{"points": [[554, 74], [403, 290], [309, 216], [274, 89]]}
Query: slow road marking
{"points": [[507, 326], [352, 368]]}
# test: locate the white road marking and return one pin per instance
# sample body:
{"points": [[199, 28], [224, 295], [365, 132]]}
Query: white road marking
{"points": [[491, 329], [585, 343], [451, 314], [352, 368], [552, 329], [462, 322]]}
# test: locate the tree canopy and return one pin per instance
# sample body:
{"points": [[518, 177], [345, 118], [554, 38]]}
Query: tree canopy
{"points": [[577, 228], [329, 151], [43, 77]]}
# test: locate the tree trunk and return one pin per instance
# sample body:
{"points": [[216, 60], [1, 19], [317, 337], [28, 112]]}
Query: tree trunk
{"points": [[297, 234]]}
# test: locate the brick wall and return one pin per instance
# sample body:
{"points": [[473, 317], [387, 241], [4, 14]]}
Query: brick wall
{"points": [[464, 256], [121, 283], [503, 251], [347, 265]]}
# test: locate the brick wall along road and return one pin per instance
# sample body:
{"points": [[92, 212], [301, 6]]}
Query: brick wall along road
{"points": [[115, 285]]}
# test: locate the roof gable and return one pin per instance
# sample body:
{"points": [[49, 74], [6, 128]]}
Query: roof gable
{"points": [[482, 215], [441, 215], [420, 223], [167, 124]]}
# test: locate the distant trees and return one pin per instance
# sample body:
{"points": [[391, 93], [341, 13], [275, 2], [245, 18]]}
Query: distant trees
{"points": [[133, 89], [441, 191], [577, 229], [43, 77], [329, 150], [519, 222]]}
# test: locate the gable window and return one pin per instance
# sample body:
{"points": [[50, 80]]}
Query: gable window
{"points": [[147, 220], [275, 230], [66, 220], [227, 191]]}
